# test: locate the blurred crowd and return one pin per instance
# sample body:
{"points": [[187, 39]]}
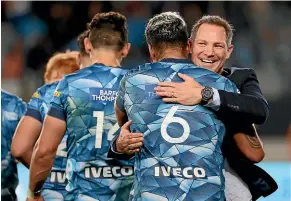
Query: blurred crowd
{"points": [[33, 31]]}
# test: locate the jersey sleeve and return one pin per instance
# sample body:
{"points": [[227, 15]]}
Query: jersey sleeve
{"points": [[58, 103], [121, 94], [33, 107], [22, 108]]}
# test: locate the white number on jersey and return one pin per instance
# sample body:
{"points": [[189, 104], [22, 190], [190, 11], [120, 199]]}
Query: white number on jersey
{"points": [[171, 119], [61, 148], [99, 129]]}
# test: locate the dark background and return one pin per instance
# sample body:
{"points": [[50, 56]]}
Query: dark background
{"points": [[33, 31]]}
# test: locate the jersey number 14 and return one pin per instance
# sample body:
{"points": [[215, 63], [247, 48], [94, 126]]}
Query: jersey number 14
{"points": [[99, 129]]}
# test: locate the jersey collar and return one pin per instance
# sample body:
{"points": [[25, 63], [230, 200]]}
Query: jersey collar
{"points": [[173, 60]]}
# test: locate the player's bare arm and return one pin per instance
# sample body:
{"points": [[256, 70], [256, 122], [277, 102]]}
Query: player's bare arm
{"points": [[120, 115], [127, 142], [250, 145], [26, 134], [43, 155]]}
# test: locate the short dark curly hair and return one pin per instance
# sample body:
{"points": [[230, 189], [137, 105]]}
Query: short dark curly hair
{"points": [[167, 29], [108, 29]]}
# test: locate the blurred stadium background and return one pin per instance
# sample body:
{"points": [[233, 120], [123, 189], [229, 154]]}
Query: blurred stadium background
{"points": [[32, 31]]}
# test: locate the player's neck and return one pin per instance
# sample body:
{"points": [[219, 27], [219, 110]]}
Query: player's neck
{"points": [[108, 58], [173, 54]]}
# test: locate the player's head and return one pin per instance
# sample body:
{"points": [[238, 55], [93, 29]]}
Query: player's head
{"points": [[166, 32], [108, 32], [84, 57], [211, 45], [59, 65]]}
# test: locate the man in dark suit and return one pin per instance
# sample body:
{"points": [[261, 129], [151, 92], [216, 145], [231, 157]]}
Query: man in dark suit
{"points": [[210, 47]]}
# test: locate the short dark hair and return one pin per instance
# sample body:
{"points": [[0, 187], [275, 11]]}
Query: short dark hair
{"points": [[214, 20], [108, 29], [81, 44], [167, 29]]}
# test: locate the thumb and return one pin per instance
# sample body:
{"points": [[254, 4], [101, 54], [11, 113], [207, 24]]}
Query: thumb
{"points": [[185, 77], [126, 125]]}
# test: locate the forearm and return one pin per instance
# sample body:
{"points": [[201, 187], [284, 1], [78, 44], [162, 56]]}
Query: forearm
{"points": [[250, 146], [244, 107], [25, 138], [26, 158], [40, 167]]}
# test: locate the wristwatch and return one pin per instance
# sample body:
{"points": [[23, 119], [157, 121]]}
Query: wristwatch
{"points": [[33, 194], [207, 95]]}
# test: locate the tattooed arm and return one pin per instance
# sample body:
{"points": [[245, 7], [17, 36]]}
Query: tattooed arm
{"points": [[250, 145]]}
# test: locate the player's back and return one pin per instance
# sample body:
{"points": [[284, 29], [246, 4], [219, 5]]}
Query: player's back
{"points": [[87, 98], [181, 158], [12, 109], [40, 103]]}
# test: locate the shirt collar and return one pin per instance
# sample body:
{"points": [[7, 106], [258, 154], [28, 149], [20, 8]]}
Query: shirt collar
{"points": [[173, 60]]}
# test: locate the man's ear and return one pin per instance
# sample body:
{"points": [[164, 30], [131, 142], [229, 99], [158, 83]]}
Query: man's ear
{"points": [[229, 51], [88, 45], [190, 45], [152, 52], [125, 50]]}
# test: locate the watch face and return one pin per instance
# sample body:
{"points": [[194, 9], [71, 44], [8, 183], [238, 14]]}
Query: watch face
{"points": [[207, 94]]}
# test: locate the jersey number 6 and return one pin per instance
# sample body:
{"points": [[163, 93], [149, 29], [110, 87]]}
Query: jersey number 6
{"points": [[171, 119]]}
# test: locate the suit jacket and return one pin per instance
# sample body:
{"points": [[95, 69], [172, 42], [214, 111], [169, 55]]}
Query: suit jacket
{"points": [[238, 112], [250, 106]]}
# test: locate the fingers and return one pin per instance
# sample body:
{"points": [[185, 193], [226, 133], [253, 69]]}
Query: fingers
{"points": [[129, 142], [165, 94], [170, 100], [136, 145], [134, 140], [167, 84], [132, 151], [126, 125], [164, 88], [133, 135], [133, 148]]}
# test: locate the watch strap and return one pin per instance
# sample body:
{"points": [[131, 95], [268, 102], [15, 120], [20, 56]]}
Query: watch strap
{"points": [[33, 194]]}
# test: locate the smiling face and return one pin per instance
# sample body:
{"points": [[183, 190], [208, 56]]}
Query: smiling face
{"points": [[209, 47]]}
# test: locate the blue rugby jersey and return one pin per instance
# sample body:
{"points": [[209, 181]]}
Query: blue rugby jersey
{"points": [[85, 100], [38, 107], [12, 109], [181, 157]]}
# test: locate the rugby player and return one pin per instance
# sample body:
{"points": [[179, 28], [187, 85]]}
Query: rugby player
{"points": [[12, 109], [84, 57], [211, 46], [83, 105], [181, 155], [29, 128]]}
